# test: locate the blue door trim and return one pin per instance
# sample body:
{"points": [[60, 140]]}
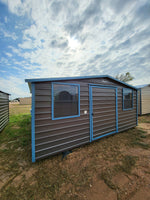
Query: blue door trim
{"points": [[33, 122], [91, 111]]}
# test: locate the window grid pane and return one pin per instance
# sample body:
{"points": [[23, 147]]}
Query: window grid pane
{"points": [[127, 98], [65, 100]]}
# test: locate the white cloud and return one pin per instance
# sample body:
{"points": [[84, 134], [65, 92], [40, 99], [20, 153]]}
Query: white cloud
{"points": [[14, 86], [8, 54], [9, 35], [68, 38]]}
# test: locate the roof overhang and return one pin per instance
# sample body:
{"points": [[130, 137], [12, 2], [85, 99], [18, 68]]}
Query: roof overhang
{"points": [[75, 78]]}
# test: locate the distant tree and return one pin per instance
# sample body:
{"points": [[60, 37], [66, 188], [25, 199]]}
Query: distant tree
{"points": [[125, 77]]}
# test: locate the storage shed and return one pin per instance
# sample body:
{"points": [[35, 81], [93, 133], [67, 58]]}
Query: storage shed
{"points": [[70, 112], [4, 109], [25, 101], [143, 99]]}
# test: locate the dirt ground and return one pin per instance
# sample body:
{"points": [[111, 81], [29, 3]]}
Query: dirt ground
{"points": [[116, 168]]}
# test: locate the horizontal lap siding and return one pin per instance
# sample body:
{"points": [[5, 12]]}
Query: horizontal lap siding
{"points": [[54, 136], [4, 110]]}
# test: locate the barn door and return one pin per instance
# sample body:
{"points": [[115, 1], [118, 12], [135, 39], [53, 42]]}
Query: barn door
{"points": [[103, 111]]}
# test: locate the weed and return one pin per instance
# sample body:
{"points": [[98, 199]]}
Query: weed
{"points": [[136, 138], [107, 176], [141, 144], [128, 163]]}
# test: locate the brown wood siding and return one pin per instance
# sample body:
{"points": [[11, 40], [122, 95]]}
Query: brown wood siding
{"points": [[54, 136], [4, 110]]}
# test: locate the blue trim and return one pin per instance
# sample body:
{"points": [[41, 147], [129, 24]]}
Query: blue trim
{"points": [[75, 78], [56, 118], [116, 110], [124, 109], [33, 123], [91, 111], [137, 107], [103, 86], [101, 136]]}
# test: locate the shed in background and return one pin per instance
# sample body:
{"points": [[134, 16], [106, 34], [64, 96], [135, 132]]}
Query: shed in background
{"points": [[25, 101], [143, 99], [4, 109]]}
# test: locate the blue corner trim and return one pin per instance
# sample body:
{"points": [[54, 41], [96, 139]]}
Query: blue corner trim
{"points": [[33, 123], [116, 110], [125, 109], [76, 78], [57, 118], [137, 107], [91, 111]]}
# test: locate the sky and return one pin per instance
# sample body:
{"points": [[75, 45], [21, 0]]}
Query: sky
{"points": [[63, 38]]}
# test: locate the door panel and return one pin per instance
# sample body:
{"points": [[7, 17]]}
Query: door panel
{"points": [[103, 116]]}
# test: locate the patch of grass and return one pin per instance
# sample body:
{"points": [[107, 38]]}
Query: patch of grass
{"points": [[141, 144], [16, 109], [15, 141], [128, 163], [135, 138], [19, 126], [107, 176], [144, 119]]}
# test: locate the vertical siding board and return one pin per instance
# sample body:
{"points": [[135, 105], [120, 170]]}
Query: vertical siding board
{"points": [[60, 132], [145, 100], [4, 110]]}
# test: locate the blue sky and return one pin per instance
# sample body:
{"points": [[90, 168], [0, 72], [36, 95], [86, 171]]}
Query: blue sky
{"points": [[42, 38]]}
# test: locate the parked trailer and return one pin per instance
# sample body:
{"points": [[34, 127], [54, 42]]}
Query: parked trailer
{"points": [[69, 112], [4, 109]]}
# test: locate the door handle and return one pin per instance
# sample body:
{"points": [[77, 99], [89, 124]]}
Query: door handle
{"points": [[92, 114]]}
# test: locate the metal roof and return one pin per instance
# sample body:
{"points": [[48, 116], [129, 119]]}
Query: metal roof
{"points": [[4, 92], [75, 78], [142, 86]]}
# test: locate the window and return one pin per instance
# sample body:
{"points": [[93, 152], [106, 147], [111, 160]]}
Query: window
{"points": [[65, 100], [127, 99]]}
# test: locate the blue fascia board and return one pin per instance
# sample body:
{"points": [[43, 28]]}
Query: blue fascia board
{"points": [[76, 78]]}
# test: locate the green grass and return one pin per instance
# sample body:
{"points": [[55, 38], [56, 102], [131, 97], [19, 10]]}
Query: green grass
{"points": [[18, 130], [128, 163], [144, 119], [136, 136]]}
